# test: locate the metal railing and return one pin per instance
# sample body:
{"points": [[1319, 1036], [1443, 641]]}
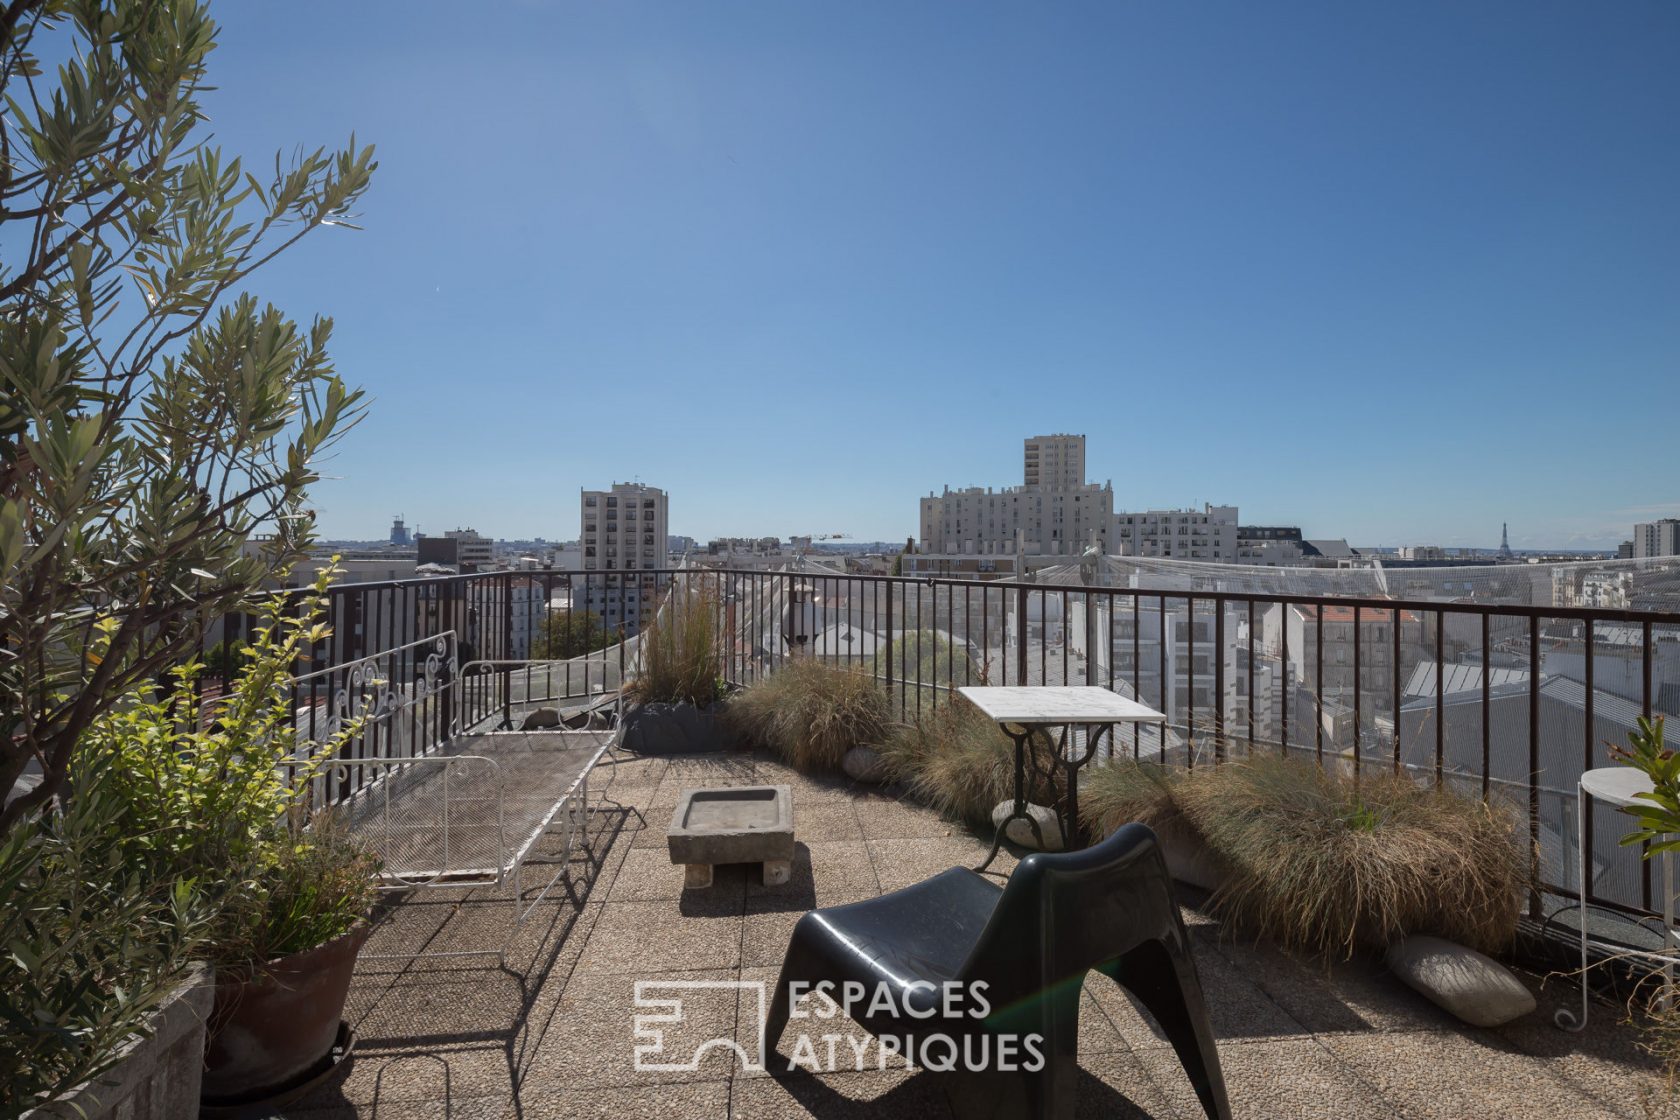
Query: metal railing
{"points": [[1500, 700]]}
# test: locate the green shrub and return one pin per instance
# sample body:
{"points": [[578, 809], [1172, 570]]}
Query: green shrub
{"points": [[810, 714], [185, 838], [959, 761], [93, 941], [928, 658], [1320, 862], [313, 885], [681, 651]]}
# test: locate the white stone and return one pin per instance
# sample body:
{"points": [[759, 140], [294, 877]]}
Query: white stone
{"points": [[697, 876], [864, 764], [777, 872], [1471, 985], [1021, 833]]}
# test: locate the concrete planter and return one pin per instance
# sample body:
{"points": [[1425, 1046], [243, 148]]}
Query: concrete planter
{"points": [[157, 1078], [660, 729], [1187, 855]]}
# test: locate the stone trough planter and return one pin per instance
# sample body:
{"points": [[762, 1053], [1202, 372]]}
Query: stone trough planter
{"points": [[156, 1078]]}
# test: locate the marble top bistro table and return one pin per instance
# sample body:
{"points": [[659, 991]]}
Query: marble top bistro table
{"points": [[1022, 710]]}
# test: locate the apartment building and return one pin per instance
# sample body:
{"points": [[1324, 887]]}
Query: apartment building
{"points": [[1173, 662], [1308, 628], [624, 529], [1269, 545], [1054, 512], [1029, 520], [1054, 462], [1208, 534], [1657, 538]]}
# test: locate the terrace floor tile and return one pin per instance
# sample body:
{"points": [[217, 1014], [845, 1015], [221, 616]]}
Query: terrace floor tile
{"points": [[551, 1031]]}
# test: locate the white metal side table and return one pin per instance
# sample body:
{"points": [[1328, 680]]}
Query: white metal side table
{"points": [[1618, 786]]}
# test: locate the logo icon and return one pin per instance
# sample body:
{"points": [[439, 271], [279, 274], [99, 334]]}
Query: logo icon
{"points": [[660, 1011]]}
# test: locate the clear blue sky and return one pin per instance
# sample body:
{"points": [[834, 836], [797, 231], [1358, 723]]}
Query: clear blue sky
{"points": [[1394, 272]]}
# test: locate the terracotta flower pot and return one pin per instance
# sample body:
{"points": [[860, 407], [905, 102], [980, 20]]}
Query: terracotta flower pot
{"points": [[272, 1024]]}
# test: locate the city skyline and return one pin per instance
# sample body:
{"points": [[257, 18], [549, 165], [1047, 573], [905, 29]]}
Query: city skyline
{"points": [[1395, 275]]}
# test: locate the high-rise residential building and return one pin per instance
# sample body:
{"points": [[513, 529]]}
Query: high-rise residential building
{"points": [[1055, 512], [624, 530], [1208, 534], [1054, 462], [1657, 538], [1031, 520]]}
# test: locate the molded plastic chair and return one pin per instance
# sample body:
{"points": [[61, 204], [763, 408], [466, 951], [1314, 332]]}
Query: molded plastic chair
{"points": [[1109, 907]]}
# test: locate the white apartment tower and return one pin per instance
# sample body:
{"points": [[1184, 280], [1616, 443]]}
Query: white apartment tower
{"points": [[1657, 538], [623, 530], [1054, 462]]}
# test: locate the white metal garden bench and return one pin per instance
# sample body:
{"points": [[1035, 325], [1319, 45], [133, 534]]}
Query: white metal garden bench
{"points": [[443, 807]]}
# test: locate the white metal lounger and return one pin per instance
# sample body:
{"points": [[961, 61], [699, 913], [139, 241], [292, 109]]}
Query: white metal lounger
{"points": [[448, 810]]}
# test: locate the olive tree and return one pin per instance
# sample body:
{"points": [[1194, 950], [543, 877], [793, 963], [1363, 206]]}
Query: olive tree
{"points": [[154, 415]]}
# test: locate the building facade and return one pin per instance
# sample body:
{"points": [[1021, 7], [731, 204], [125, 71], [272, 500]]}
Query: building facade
{"points": [[624, 530], [1055, 462], [1208, 534], [1054, 512], [1657, 538]]}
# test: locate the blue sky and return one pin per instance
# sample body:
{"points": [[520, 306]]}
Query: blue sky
{"points": [[1391, 272]]}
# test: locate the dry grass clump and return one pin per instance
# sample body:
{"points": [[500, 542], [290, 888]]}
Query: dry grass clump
{"points": [[960, 762], [681, 656], [810, 714], [1124, 791], [1320, 863], [1655, 1010]]}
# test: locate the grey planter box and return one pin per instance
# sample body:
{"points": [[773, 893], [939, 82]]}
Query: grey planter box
{"points": [[156, 1078], [675, 729]]}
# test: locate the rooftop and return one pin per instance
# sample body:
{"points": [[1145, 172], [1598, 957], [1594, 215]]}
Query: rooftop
{"points": [[550, 1032]]}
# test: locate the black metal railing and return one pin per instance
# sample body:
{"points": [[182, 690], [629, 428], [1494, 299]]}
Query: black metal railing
{"points": [[1498, 700]]}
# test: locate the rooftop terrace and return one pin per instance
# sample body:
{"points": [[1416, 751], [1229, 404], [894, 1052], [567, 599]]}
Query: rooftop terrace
{"points": [[550, 1033]]}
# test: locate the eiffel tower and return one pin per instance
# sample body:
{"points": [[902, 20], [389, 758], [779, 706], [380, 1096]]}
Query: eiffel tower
{"points": [[1504, 540]]}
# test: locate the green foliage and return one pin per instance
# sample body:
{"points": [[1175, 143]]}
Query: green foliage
{"points": [[153, 414], [185, 836], [681, 653], [1326, 864], [927, 657], [221, 793], [1659, 821], [810, 714], [92, 943], [959, 761], [225, 658], [311, 886], [568, 634]]}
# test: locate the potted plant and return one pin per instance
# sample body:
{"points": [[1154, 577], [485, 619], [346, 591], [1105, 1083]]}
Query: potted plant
{"points": [[674, 700], [285, 952], [219, 795], [1658, 828]]}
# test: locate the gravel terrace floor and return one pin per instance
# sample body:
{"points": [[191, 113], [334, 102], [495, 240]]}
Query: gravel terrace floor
{"points": [[549, 1034]]}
